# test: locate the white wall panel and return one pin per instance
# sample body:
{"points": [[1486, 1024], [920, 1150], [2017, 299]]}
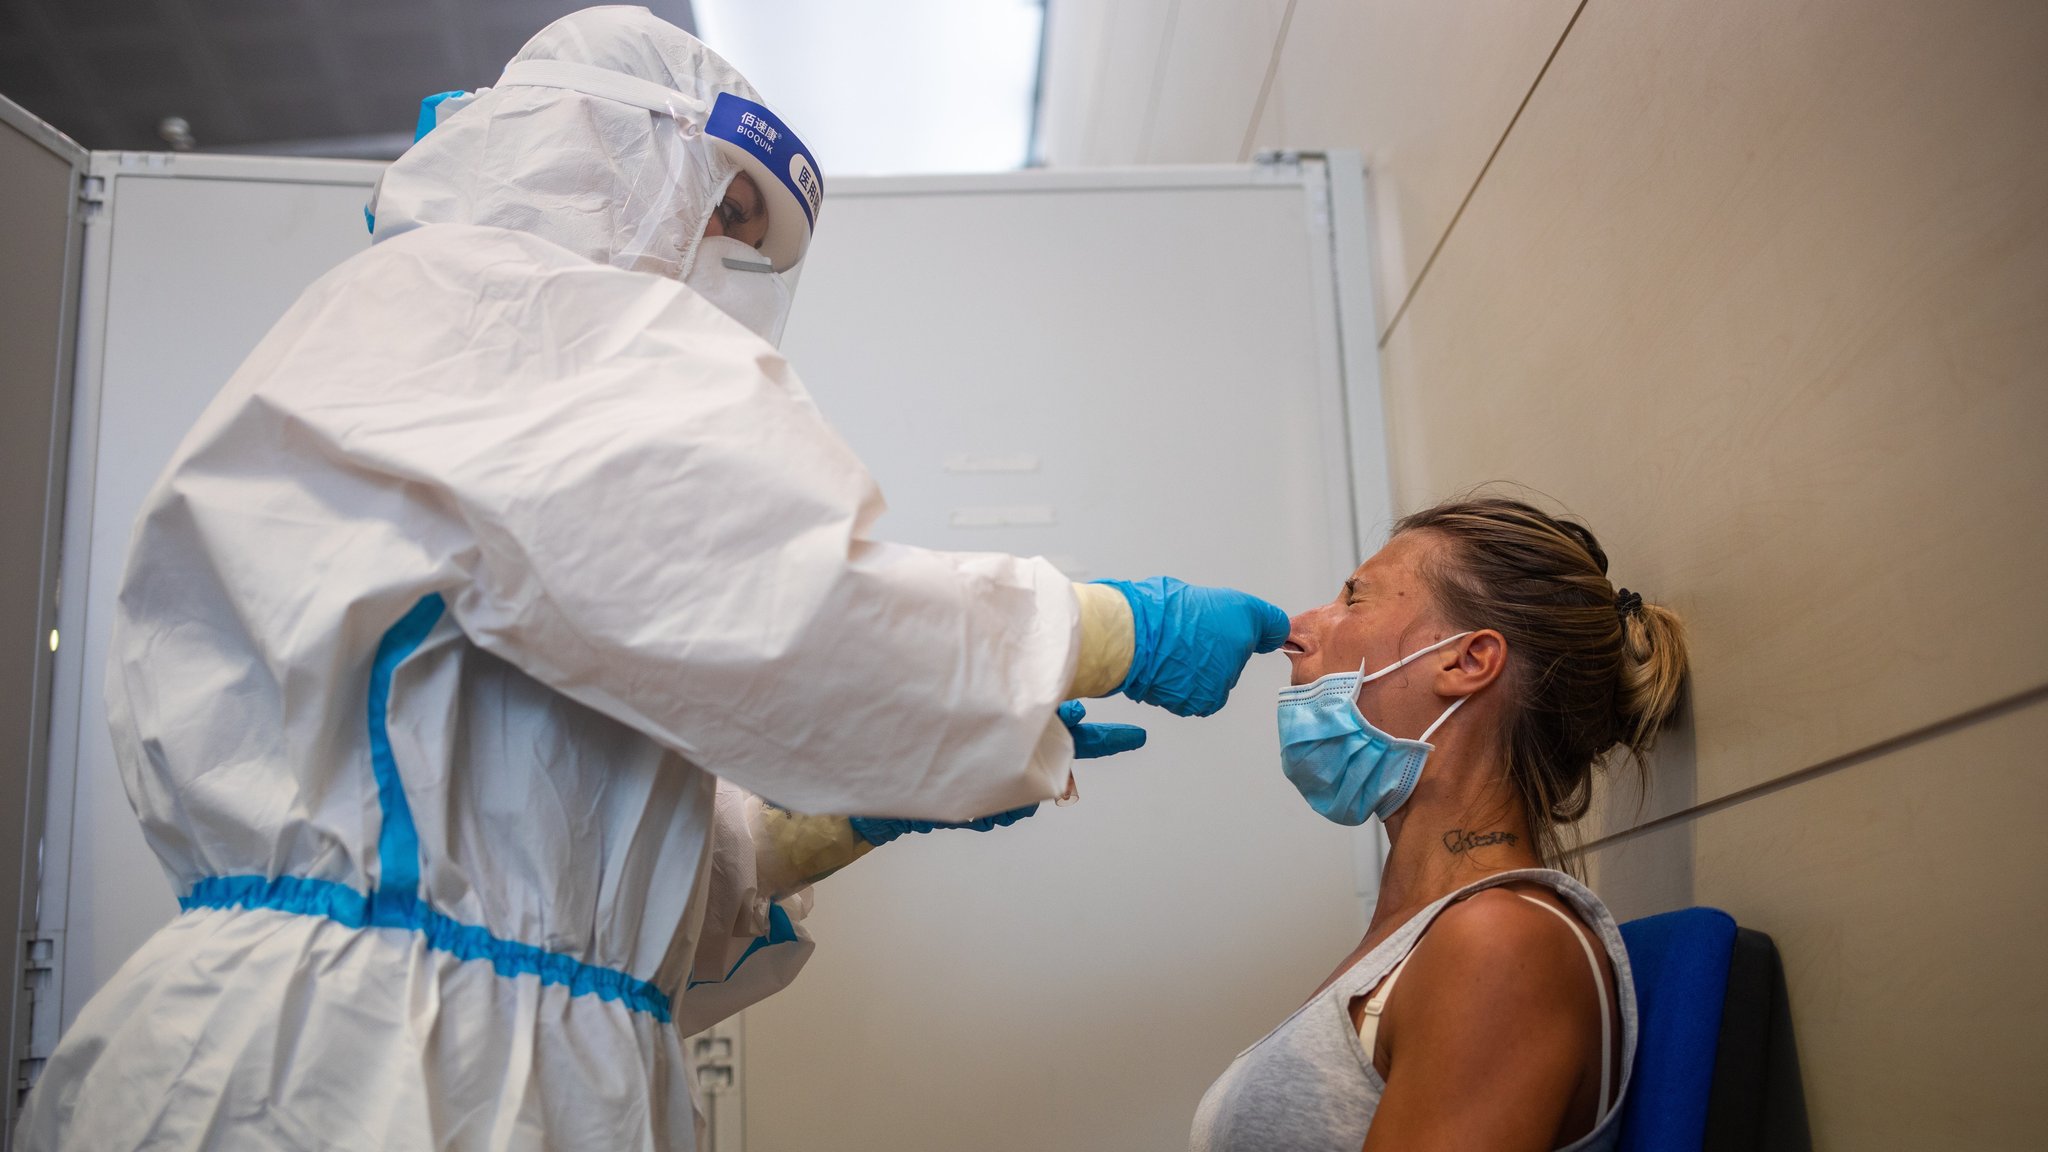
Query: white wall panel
{"points": [[1161, 346], [1116, 51], [1209, 88]]}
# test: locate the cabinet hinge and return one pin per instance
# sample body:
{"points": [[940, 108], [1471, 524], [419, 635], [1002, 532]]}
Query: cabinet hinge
{"points": [[92, 193], [42, 958]]}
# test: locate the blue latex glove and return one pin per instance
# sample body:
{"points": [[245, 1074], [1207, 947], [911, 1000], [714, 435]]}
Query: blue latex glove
{"points": [[1090, 742], [1193, 642], [879, 830], [1094, 740]]}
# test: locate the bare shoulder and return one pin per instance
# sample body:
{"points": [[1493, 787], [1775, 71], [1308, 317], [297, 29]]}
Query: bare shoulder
{"points": [[1503, 958], [1503, 910], [1489, 1039]]}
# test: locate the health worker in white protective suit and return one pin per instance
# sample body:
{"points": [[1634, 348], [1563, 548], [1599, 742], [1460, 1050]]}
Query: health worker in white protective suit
{"points": [[469, 632]]}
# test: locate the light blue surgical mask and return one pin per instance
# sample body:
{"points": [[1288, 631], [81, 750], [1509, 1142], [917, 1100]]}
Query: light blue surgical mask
{"points": [[1343, 766]]}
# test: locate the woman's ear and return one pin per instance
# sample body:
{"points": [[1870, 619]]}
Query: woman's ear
{"points": [[1476, 661]]}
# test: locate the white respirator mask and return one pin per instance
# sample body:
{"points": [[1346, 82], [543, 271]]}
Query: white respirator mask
{"points": [[743, 284]]}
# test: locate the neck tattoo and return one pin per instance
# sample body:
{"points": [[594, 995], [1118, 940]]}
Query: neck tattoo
{"points": [[1459, 841]]}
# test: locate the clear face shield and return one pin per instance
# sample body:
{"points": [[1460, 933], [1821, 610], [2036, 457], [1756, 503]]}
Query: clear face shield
{"points": [[664, 187]]}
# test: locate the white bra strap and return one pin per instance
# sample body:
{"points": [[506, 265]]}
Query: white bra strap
{"points": [[602, 83], [1599, 982], [1369, 1028]]}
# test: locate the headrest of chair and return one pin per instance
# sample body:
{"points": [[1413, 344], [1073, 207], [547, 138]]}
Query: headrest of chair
{"points": [[1680, 960]]}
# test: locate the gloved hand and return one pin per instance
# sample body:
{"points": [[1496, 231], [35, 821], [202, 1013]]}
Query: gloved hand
{"points": [[1094, 740], [879, 830], [1193, 642]]}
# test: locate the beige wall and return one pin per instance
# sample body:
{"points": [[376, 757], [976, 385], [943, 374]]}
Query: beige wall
{"points": [[1760, 288]]}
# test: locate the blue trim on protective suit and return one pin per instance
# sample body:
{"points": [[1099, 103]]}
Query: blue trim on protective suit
{"points": [[398, 841], [352, 909], [395, 901], [430, 114], [780, 931]]}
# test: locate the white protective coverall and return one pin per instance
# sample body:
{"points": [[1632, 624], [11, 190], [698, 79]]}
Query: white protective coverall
{"points": [[446, 622]]}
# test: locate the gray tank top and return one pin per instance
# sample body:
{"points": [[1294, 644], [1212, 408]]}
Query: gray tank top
{"points": [[1310, 1086]]}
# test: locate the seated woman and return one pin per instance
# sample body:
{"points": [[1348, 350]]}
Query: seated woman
{"points": [[1490, 1003]]}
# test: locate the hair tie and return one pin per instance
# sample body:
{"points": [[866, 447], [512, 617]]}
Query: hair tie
{"points": [[1627, 603]]}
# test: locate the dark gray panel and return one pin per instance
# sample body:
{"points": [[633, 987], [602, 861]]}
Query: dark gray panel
{"points": [[39, 186], [109, 71], [103, 15], [141, 63], [270, 60]]}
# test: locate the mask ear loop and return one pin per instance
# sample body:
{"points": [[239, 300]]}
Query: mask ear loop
{"points": [[1410, 658], [1403, 662], [1431, 730]]}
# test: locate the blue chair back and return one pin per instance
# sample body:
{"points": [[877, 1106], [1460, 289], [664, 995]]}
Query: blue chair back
{"points": [[1680, 960]]}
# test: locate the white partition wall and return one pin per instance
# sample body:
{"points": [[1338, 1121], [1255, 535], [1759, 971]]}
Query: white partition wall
{"points": [[1130, 373], [1161, 371]]}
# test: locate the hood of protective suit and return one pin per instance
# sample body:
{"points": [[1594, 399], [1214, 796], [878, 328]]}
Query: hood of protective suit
{"points": [[613, 134]]}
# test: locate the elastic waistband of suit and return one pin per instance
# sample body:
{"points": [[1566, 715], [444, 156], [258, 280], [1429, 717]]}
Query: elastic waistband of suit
{"points": [[350, 908]]}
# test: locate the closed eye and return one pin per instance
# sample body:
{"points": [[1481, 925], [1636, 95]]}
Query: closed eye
{"points": [[735, 217]]}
